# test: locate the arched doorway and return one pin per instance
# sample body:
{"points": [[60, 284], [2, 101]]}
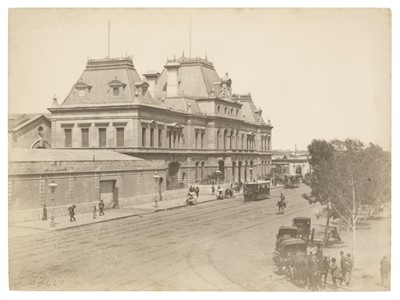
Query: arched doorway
{"points": [[299, 170], [221, 168], [240, 171], [202, 171], [196, 172], [172, 176]]}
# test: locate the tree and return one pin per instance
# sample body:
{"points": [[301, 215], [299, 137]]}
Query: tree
{"points": [[349, 179]]}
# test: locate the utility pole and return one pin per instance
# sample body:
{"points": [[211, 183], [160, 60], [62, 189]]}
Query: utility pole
{"points": [[108, 38], [190, 38]]}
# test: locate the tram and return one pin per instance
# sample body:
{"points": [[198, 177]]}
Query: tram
{"points": [[257, 190]]}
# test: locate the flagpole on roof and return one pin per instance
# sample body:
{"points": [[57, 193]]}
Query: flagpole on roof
{"points": [[108, 38]]}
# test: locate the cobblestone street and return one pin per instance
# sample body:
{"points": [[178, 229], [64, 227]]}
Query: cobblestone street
{"points": [[220, 245]]}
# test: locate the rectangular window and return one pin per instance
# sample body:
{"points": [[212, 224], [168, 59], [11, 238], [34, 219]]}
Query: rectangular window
{"points": [[196, 137], [159, 137], [102, 137], [85, 137], [151, 137], [120, 137], [202, 141], [143, 137], [68, 138]]}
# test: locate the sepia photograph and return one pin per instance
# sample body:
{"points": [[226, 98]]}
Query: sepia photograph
{"points": [[200, 149]]}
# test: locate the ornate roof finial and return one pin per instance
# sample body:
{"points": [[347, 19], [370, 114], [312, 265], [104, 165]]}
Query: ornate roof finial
{"points": [[55, 103]]}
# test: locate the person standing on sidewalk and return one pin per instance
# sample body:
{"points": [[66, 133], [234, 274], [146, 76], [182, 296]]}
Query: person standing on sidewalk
{"points": [[101, 208], [213, 189], [343, 261], [197, 191], [348, 269], [44, 217], [94, 212], [72, 213], [385, 271], [336, 273]]}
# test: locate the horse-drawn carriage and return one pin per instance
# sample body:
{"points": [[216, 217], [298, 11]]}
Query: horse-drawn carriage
{"points": [[256, 190]]}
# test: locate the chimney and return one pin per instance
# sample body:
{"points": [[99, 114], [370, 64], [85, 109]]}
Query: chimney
{"points": [[152, 78], [172, 78]]}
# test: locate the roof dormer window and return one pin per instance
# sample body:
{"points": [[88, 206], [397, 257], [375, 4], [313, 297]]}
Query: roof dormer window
{"points": [[116, 86], [82, 88]]}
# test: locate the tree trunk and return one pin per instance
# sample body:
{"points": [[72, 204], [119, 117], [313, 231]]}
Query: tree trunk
{"points": [[353, 250], [326, 228]]}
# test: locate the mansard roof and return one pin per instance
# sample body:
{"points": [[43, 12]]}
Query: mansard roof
{"points": [[109, 81], [196, 77]]}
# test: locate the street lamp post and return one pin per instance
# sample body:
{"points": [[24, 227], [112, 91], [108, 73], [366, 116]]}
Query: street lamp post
{"points": [[156, 180], [52, 187]]}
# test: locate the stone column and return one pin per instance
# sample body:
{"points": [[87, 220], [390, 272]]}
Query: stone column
{"points": [[96, 192], [71, 182], [54, 129], [10, 201], [42, 190]]}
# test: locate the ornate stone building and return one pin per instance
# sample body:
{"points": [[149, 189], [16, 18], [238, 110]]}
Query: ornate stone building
{"points": [[186, 119], [29, 131]]}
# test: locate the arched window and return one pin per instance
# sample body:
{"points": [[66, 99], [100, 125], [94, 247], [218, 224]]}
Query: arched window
{"points": [[218, 137], [218, 108]]}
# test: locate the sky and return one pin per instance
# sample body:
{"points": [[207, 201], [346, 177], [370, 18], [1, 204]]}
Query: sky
{"points": [[315, 73]]}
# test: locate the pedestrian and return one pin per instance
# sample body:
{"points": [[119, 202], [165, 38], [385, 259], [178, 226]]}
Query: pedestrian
{"points": [[212, 189], [72, 213], [94, 212], [348, 269], [101, 208], [343, 261], [385, 271], [336, 273], [325, 268], [197, 191], [311, 272], [44, 217]]}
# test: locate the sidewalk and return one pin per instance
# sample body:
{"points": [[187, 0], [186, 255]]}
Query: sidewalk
{"points": [[114, 214], [63, 222]]}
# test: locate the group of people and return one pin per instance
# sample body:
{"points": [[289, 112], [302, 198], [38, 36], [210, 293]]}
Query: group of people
{"points": [[72, 213], [195, 190], [101, 211], [341, 272]]}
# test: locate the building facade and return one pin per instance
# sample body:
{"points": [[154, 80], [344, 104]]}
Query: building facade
{"points": [[29, 131], [83, 178], [185, 118], [293, 166]]}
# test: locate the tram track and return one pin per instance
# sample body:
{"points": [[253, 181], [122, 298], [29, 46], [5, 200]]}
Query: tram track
{"points": [[145, 239]]}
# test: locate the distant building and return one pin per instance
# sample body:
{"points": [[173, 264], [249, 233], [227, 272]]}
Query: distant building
{"points": [[29, 131], [286, 165]]}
